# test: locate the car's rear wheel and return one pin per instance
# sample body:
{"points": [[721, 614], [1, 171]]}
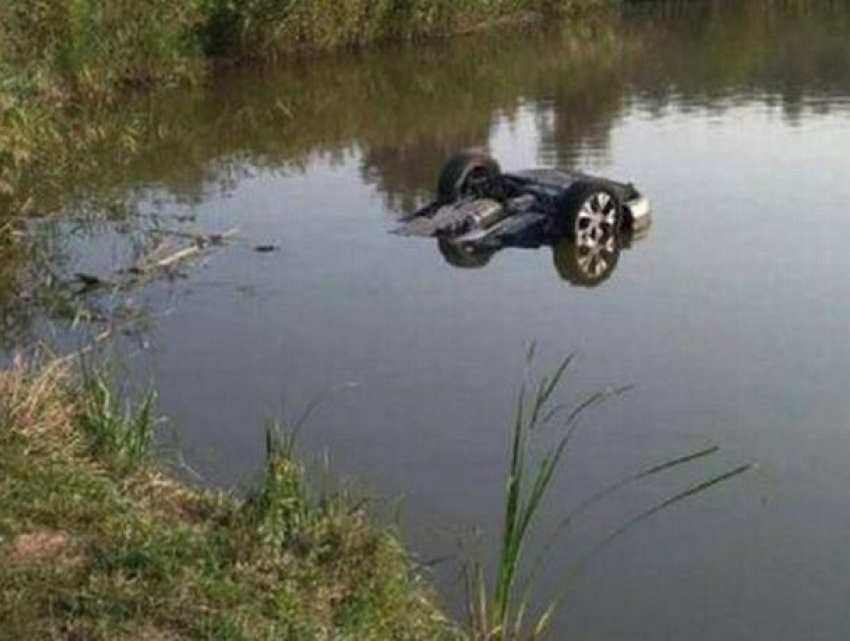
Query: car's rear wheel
{"points": [[591, 214], [470, 174]]}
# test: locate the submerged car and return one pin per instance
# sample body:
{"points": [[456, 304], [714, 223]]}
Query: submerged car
{"points": [[480, 209]]}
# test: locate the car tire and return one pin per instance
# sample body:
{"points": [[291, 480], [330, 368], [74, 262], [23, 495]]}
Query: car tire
{"points": [[470, 174], [590, 213]]}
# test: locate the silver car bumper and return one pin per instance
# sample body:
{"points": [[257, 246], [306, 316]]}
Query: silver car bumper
{"points": [[639, 213]]}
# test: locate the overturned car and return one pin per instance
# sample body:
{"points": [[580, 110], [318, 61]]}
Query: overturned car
{"points": [[480, 210]]}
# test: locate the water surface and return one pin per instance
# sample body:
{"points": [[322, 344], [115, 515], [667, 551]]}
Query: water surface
{"points": [[730, 317]]}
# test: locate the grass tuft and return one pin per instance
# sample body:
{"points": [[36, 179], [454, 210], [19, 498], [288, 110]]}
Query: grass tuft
{"points": [[34, 403], [117, 431]]}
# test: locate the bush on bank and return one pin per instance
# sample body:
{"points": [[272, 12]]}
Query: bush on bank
{"points": [[58, 57], [87, 49], [269, 27]]}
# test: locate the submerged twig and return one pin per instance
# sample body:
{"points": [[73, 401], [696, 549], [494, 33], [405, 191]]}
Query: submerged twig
{"points": [[200, 243]]}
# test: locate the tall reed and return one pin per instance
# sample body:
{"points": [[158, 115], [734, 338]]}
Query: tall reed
{"points": [[498, 611]]}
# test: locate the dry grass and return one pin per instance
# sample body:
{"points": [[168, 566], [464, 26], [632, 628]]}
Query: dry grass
{"points": [[169, 498], [35, 402], [54, 547], [147, 632]]}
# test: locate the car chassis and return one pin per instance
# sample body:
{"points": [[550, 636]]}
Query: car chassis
{"points": [[479, 209]]}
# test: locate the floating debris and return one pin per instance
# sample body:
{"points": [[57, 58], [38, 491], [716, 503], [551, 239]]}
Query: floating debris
{"points": [[158, 259], [91, 281]]}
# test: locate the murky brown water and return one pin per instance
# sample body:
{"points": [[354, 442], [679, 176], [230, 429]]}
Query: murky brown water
{"points": [[731, 316]]}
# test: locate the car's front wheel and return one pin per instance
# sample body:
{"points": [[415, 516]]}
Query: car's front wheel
{"points": [[591, 214]]}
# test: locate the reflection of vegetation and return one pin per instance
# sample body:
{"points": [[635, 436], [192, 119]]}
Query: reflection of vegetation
{"points": [[790, 50], [95, 543], [282, 115], [54, 55], [30, 289]]}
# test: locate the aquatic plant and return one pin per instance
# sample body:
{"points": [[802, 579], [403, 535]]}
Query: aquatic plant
{"points": [[498, 610]]}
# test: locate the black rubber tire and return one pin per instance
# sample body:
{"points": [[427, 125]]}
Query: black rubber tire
{"points": [[455, 177], [573, 202]]}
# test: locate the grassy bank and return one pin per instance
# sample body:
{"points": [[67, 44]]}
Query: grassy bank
{"points": [[95, 543]]}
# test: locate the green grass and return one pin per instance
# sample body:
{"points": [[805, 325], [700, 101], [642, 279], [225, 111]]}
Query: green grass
{"points": [[499, 610], [268, 28], [120, 434], [88, 50], [95, 543]]}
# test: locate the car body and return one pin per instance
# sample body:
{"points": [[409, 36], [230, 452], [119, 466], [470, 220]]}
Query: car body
{"points": [[480, 210]]}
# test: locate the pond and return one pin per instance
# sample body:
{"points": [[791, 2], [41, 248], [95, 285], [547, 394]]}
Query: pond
{"points": [[730, 317]]}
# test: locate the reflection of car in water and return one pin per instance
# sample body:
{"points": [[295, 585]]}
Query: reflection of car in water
{"points": [[584, 265], [479, 210]]}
